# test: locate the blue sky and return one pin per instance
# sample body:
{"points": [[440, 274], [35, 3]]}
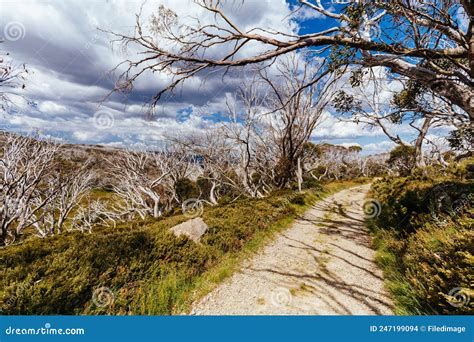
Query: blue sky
{"points": [[70, 62]]}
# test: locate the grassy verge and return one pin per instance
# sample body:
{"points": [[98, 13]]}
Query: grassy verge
{"points": [[424, 241], [388, 259], [140, 267]]}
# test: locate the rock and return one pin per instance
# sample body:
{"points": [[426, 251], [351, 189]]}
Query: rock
{"points": [[193, 229]]}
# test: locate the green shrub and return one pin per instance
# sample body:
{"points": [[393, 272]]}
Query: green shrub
{"points": [[146, 268], [65, 270], [463, 169], [298, 199], [407, 201], [438, 260], [425, 242], [311, 183], [185, 189], [402, 159]]}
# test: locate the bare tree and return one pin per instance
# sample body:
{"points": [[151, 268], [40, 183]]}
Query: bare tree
{"points": [[270, 120], [374, 101], [253, 154], [93, 214], [375, 165], [219, 161], [141, 178], [65, 192], [314, 162], [296, 109], [326, 161], [184, 166], [421, 40], [24, 164], [436, 152]]}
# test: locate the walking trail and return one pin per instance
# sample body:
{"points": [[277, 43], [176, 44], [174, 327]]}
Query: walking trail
{"points": [[322, 265]]}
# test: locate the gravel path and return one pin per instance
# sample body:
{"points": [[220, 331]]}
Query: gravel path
{"points": [[322, 265]]}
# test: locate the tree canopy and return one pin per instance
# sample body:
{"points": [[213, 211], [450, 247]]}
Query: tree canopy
{"points": [[429, 42]]}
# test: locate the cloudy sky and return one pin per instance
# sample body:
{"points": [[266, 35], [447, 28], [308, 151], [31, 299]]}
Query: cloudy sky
{"points": [[70, 62]]}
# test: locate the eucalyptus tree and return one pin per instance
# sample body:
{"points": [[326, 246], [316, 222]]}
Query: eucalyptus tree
{"points": [[375, 101], [34, 191], [429, 42], [24, 165]]}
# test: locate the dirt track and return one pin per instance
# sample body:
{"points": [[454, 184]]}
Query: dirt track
{"points": [[322, 265]]}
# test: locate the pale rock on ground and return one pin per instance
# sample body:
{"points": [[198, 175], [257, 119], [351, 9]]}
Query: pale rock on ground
{"points": [[193, 229], [322, 265]]}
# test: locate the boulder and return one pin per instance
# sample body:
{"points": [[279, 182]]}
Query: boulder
{"points": [[193, 229]]}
